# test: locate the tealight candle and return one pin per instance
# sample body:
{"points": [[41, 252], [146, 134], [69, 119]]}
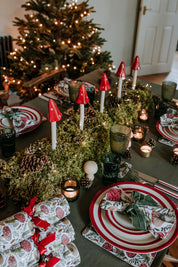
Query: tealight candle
{"points": [[145, 151], [138, 133], [143, 115], [70, 189], [175, 151]]}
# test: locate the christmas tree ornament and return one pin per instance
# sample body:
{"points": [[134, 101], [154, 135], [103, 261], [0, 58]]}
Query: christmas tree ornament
{"points": [[104, 86], [53, 115], [121, 75], [90, 168], [135, 67], [82, 100]]}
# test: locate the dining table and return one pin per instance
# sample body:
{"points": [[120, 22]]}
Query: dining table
{"points": [[158, 165]]}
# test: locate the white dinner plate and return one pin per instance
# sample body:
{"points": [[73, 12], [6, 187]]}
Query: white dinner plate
{"points": [[118, 230], [62, 87], [168, 132], [28, 113]]}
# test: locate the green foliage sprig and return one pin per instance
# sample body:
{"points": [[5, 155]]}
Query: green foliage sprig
{"points": [[70, 155]]}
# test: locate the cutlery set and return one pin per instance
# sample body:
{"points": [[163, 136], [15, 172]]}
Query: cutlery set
{"points": [[165, 187]]}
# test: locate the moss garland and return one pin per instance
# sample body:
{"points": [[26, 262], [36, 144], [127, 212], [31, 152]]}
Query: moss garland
{"points": [[68, 159]]}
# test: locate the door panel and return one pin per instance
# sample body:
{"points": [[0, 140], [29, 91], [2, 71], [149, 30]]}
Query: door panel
{"points": [[157, 35]]}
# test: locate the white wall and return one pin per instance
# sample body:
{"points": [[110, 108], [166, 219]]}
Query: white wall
{"points": [[117, 17]]}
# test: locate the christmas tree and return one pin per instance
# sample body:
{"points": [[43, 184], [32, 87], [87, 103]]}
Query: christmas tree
{"points": [[56, 35]]}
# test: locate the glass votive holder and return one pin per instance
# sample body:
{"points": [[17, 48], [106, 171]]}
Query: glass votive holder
{"points": [[73, 90], [70, 189], [139, 133], [7, 140], [175, 151], [119, 138], [143, 116], [168, 90], [145, 151], [111, 163]]}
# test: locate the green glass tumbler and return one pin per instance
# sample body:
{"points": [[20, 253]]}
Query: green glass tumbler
{"points": [[168, 90], [119, 138], [7, 139]]}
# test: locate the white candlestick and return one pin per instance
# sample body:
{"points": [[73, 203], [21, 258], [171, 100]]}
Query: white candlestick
{"points": [[134, 79], [119, 88], [81, 116], [53, 134], [102, 101]]}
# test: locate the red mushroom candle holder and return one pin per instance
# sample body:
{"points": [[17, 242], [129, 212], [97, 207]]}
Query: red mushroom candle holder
{"points": [[135, 67], [53, 115], [104, 86], [82, 100], [121, 75]]}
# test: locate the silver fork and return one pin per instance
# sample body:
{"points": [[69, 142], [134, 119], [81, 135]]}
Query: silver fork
{"points": [[135, 177]]}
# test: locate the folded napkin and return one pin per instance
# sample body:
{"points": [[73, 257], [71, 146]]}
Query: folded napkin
{"points": [[68, 256], [23, 254], [169, 120], [63, 234], [144, 212], [21, 123], [134, 259]]}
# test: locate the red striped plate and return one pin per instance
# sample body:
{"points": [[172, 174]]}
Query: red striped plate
{"points": [[168, 132], [118, 230], [27, 112]]}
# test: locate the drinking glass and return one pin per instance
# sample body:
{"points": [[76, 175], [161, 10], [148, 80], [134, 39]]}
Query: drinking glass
{"points": [[168, 90], [7, 140], [119, 138]]}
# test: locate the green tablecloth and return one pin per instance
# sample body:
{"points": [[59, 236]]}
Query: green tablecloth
{"points": [[158, 165]]}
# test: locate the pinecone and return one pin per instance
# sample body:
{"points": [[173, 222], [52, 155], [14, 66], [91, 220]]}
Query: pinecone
{"points": [[30, 150], [77, 139], [2, 199], [90, 114], [2, 163], [113, 101], [151, 142], [126, 155], [31, 163], [174, 159], [85, 182]]}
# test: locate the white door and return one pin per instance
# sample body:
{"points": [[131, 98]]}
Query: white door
{"points": [[157, 35]]}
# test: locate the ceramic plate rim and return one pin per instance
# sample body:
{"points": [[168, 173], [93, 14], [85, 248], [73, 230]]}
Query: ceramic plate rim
{"points": [[29, 129], [159, 128], [150, 250]]}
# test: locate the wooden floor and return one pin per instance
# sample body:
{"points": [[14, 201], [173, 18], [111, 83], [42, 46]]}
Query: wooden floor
{"points": [[159, 78]]}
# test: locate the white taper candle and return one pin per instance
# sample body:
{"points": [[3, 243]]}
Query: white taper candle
{"points": [[102, 101], [53, 135], [119, 91], [134, 79], [81, 116]]}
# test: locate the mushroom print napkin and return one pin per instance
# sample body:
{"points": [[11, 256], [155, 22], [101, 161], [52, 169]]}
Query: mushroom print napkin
{"points": [[169, 120], [52, 210], [134, 259], [14, 229], [68, 256], [24, 254], [141, 209], [56, 236]]}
